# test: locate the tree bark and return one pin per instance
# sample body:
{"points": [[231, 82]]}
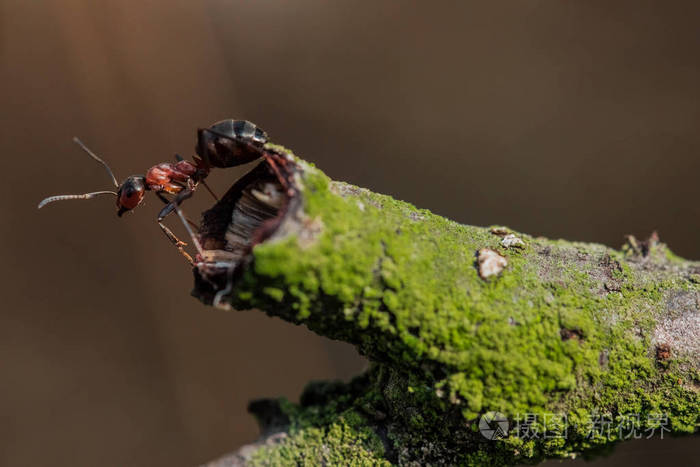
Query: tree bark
{"points": [[576, 345]]}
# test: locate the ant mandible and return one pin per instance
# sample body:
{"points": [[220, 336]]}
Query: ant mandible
{"points": [[227, 143]]}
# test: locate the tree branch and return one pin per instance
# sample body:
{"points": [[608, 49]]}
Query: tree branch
{"points": [[458, 321]]}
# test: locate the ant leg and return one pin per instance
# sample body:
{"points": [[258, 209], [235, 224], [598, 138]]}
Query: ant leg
{"points": [[167, 201], [175, 241], [195, 241], [168, 209], [179, 158], [209, 190], [174, 205], [182, 196]]}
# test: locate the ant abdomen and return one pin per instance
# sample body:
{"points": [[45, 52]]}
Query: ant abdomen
{"points": [[229, 143]]}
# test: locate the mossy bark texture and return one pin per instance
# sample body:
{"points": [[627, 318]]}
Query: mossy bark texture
{"points": [[591, 343]]}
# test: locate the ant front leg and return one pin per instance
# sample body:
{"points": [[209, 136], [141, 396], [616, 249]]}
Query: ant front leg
{"points": [[167, 201], [174, 205], [179, 244], [171, 206]]}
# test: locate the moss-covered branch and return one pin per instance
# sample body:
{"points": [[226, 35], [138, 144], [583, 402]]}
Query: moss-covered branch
{"points": [[458, 322]]}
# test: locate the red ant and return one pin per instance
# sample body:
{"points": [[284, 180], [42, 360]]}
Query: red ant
{"points": [[227, 143]]}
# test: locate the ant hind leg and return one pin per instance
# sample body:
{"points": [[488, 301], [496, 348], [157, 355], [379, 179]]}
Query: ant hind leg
{"points": [[209, 190]]}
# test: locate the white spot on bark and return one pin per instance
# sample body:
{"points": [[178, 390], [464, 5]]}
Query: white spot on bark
{"points": [[512, 241], [682, 333], [490, 263]]}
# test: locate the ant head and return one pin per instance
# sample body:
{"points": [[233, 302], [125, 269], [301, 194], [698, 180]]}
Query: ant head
{"points": [[130, 193]]}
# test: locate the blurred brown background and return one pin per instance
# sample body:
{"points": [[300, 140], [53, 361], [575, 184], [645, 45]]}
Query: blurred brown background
{"points": [[587, 112]]}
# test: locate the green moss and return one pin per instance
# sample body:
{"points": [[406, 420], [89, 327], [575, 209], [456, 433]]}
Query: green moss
{"points": [[565, 328], [336, 444]]}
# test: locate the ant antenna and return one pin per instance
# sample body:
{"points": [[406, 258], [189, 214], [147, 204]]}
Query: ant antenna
{"points": [[51, 199], [94, 156]]}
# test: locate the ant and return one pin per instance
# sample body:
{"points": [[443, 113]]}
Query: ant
{"points": [[227, 143]]}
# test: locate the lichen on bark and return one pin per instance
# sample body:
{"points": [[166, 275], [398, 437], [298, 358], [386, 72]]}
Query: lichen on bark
{"points": [[566, 328]]}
